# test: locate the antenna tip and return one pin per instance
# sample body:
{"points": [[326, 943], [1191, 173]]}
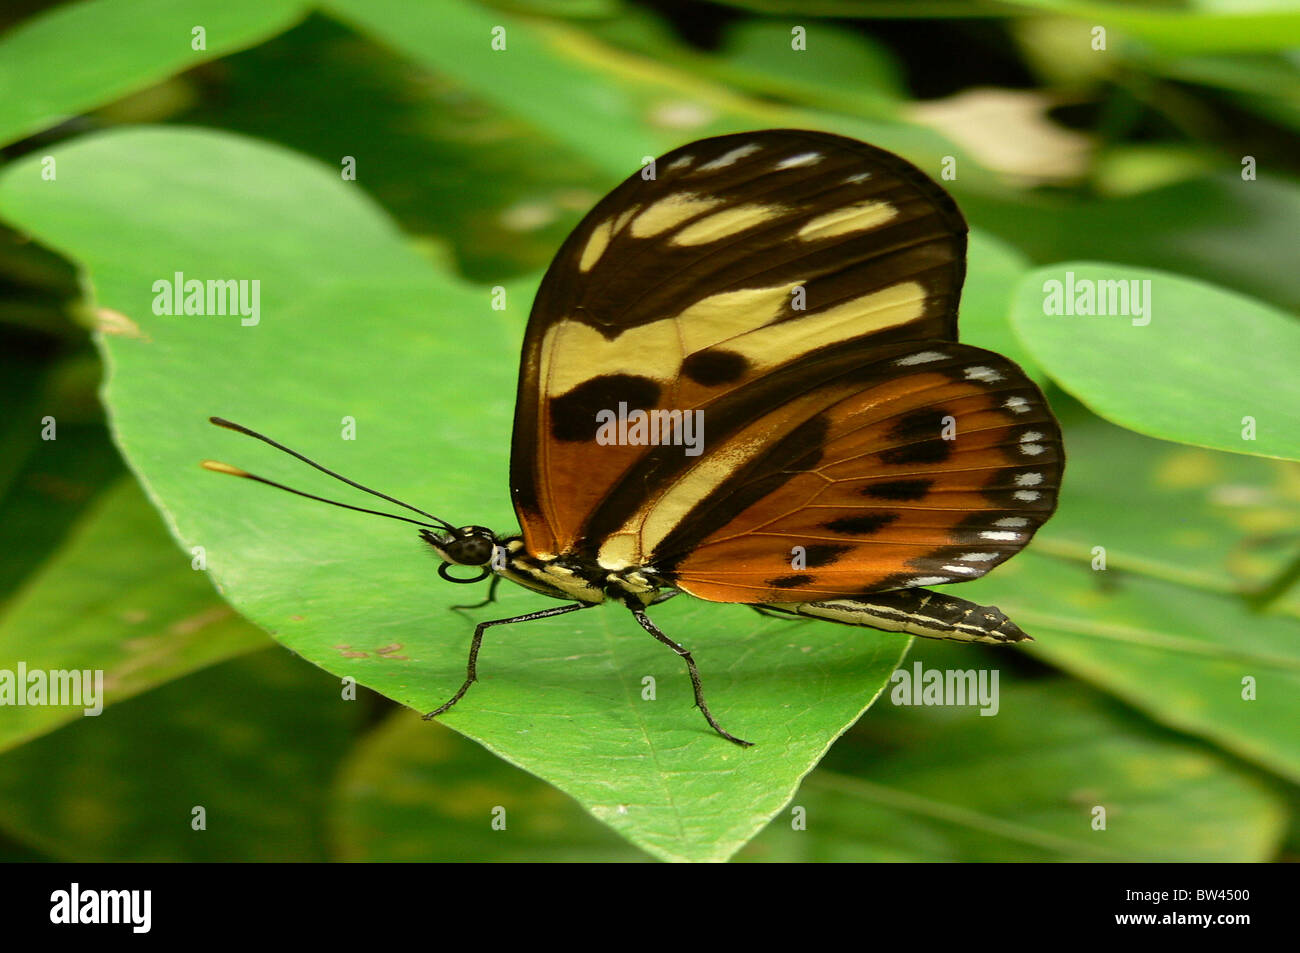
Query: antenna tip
{"points": [[223, 422], [217, 466]]}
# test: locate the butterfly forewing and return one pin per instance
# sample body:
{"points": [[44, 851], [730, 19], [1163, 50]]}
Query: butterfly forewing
{"points": [[742, 255]]}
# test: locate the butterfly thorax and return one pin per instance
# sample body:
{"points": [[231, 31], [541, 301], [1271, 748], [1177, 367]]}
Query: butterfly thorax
{"points": [[572, 577]]}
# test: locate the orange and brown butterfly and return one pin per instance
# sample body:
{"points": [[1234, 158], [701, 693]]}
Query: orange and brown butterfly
{"points": [[741, 380]]}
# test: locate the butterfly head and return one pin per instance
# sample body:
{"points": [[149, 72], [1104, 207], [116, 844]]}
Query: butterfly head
{"points": [[466, 546]]}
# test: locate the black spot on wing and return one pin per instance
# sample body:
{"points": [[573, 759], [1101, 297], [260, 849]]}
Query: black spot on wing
{"points": [[823, 554], [915, 428], [715, 366], [789, 582], [920, 423], [898, 489], [860, 525], [573, 415], [935, 450]]}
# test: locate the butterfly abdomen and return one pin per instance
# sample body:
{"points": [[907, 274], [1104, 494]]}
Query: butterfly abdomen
{"points": [[933, 615]]}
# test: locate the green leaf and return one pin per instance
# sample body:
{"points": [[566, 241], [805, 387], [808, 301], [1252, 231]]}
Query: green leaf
{"points": [[253, 742], [116, 597], [504, 196], [1132, 169], [81, 55], [46, 484], [1223, 522], [906, 784], [413, 791], [1209, 25], [1263, 83], [51, 491], [39, 296], [842, 61], [948, 784], [354, 324], [1191, 362], [1273, 26], [1222, 229], [602, 103], [993, 270], [845, 72], [1196, 661], [606, 120]]}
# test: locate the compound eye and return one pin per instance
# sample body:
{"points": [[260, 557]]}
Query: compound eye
{"points": [[471, 551]]}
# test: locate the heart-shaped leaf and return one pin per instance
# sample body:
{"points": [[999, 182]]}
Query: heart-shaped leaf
{"points": [[366, 357]]}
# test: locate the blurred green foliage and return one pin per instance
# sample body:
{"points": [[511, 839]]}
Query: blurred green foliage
{"points": [[1163, 152]]}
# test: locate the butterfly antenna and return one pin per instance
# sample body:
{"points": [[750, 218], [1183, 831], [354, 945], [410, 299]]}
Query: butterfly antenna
{"points": [[218, 467]]}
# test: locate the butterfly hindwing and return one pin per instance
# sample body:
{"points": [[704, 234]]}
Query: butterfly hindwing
{"points": [[741, 256], [913, 465]]}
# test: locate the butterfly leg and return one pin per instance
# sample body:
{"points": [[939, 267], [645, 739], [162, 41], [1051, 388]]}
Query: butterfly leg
{"points": [[694, 672], [471, 671], [491, 596], [769, 614]]}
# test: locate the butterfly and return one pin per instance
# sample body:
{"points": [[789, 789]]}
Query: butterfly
{"points": [[741, 380]]}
